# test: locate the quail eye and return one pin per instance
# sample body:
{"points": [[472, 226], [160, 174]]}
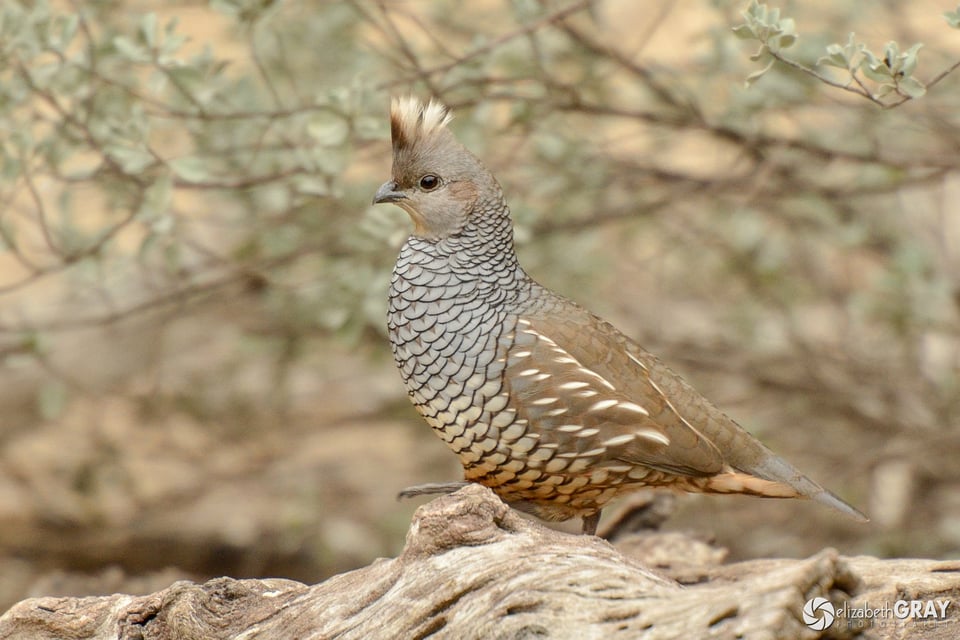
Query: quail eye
{"points": [[429, 182]]}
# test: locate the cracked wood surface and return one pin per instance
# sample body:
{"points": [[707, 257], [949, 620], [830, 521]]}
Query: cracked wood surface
{"points": [[473, 568]]}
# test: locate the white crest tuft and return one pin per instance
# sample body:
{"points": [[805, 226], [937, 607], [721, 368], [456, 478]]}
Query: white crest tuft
{"points": [[411, 120]]}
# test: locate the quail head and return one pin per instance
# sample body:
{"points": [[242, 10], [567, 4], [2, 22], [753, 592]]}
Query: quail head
{"points": [[547, 404]]}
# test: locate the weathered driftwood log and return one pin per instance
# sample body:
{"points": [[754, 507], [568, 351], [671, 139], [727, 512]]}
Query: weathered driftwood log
{"points": [[473, 568]]}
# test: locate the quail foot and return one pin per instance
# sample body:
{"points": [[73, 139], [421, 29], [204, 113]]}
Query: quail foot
{"points": [[545, 403]]}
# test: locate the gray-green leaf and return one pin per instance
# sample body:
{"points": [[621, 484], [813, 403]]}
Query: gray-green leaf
{"points": [[911, 87]]}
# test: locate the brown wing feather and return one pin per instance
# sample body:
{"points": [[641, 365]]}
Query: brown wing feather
{"points": [[703, 440], [566, 378]]}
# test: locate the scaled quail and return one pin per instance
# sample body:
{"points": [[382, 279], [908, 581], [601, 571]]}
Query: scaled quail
{"points": [[547, 404]]}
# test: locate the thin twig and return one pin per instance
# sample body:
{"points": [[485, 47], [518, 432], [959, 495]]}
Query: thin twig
{"points": [[862, 91], [494, 44]]}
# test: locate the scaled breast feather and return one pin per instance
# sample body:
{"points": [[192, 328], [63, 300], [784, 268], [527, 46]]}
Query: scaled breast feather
{"points": [[411, 121]]}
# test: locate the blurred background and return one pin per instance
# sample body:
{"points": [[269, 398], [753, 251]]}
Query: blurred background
{"points": [[194, 375]]}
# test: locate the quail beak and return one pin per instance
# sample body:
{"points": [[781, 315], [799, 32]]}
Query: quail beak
{"points": [[388, 193]]}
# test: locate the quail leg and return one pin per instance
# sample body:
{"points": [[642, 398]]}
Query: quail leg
{"points": [[590, 524], [431, 489]]}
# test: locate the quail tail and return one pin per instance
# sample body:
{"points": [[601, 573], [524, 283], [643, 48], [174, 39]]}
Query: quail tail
{"points": [[776, 470]]}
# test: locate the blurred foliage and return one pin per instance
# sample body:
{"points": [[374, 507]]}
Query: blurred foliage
{"points": [[892, 72], [169, 169]]}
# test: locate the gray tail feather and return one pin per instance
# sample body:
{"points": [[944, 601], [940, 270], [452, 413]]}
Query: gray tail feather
{"points": [[831, 500], [773, 467]]}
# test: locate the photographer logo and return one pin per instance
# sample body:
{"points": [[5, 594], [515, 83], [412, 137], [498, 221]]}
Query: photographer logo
{"points": [[818, 613]]}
